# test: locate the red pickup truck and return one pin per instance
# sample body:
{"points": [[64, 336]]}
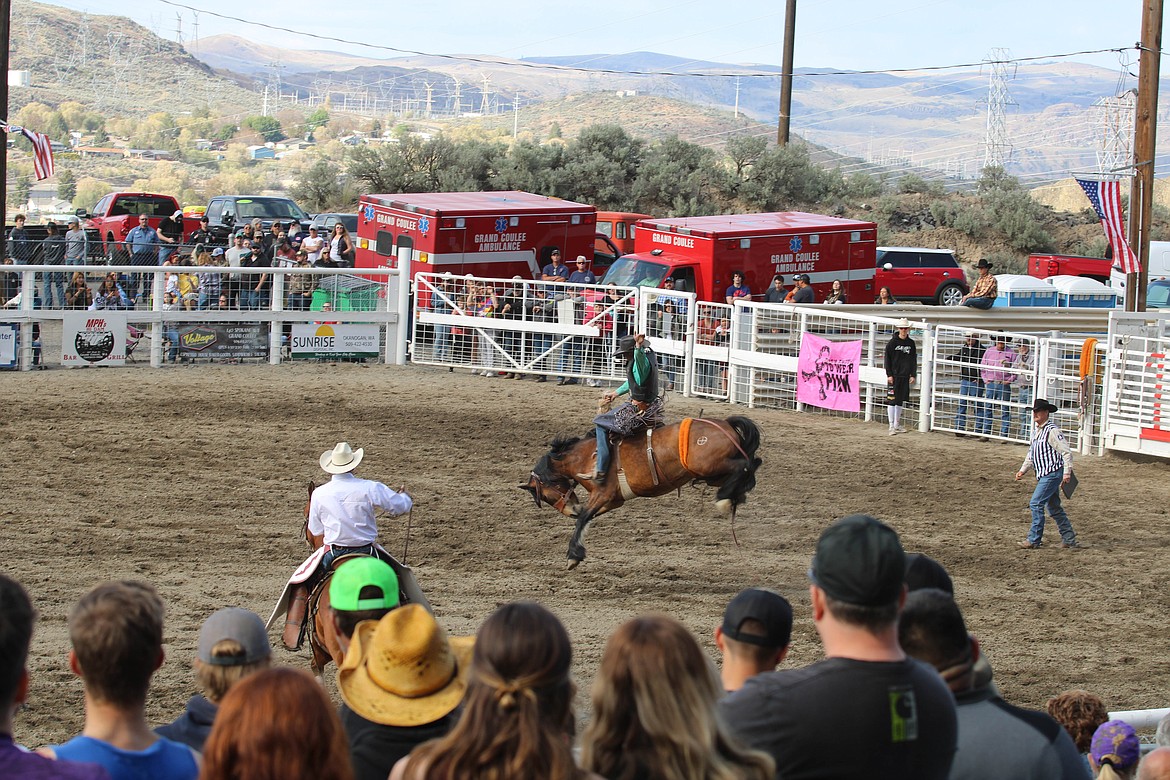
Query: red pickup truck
{"points": [[117, 214], [1044, 266]]}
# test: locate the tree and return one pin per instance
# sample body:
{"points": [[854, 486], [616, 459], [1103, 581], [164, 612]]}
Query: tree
{"points": [[89, 192], [66, 185], [319, 187], [21, 189], [318, 118], [674, 179], [267, 127]]}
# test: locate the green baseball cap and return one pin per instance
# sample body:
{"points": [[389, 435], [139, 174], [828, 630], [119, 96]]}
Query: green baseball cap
{"points": [[352, 576]]}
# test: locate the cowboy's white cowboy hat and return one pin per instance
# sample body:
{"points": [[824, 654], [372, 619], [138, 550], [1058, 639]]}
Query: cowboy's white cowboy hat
{"points": [[341, 459], [902, 323]]}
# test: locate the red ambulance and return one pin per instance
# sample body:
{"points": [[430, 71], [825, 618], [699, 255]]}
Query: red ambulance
{"points": [[701, 253], [489, 234]]}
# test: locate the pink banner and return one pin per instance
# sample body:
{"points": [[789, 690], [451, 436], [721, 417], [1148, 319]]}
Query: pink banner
{"points": [[827, 373]]}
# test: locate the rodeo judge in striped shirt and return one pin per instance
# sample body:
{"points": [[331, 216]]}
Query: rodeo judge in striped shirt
{"points": [[1050, 456]]}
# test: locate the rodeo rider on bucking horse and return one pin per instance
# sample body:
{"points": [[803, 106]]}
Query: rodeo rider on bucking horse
{"points": [[343, 512], [643, 410]]}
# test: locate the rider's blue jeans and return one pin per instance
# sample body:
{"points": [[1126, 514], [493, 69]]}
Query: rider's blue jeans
{"points": [[336, 552], [602, 449]]}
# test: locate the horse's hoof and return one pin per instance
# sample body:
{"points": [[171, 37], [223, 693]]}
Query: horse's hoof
{"points": [[724, 505], [573, 564]]}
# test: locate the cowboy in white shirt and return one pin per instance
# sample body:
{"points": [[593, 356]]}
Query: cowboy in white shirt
{"points": [[343, 515]]}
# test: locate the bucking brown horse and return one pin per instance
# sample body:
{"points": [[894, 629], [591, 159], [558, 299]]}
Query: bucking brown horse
{"points": [[721, 453]]}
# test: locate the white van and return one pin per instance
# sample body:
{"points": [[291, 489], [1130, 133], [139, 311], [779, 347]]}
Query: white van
{"points": [[1159, 267]]}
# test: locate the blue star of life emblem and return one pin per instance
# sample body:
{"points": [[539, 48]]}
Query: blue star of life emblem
{"points": [[424, 224], [795, 245], [501, 224], [369, 213]]}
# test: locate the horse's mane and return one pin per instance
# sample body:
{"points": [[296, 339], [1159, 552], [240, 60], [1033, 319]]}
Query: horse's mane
{"points": [[558, 449], [561, 445]]}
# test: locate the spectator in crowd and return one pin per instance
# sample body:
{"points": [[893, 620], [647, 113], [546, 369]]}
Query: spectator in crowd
{"points": [[754, 637], [342, 246], [517, 721], [77, 294], [898, 713], [210, 282], [997, 381], [803, 293], [283, 255], [512, 308], [555, 270], [1026, 744], [654, 715], [969, 357], [142, 244], [16, 626], [836, 293], [233, 644], [986, 288], [116, 630], [277, 724], [223, 304], [301, 286], [1115, 751], [170, 328], [901, 364], [1155, 765], [21, 248], [361, 588], [738, 288], [482, 302], [1049, 455], [1080, 712], [170, 236], [312, 245], [294, 231], [203, 234], [885, 297], [582, 274], [256, 285], [1024, 369], [342, 514], [11, 284], [110, 295], [325, 259], [76, 243], [776, 293], [402, 682], [542, 309], [53, 253]]}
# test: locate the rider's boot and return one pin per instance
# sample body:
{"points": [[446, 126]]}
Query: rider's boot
{"points": [[297, 606], [600, 459]]}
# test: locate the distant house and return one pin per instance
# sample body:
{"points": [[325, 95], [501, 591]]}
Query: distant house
{"points": [[261, 153], [101, 151], [152, 154]]}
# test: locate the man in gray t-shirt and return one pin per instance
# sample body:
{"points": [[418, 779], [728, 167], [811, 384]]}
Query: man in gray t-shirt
{"points": [[76, 244]]}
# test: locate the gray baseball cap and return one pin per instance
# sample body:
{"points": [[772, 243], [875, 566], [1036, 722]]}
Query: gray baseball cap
{"points": [[237, 624]]}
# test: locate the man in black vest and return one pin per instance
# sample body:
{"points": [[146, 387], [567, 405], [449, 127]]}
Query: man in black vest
{"points": [[643, 410]]}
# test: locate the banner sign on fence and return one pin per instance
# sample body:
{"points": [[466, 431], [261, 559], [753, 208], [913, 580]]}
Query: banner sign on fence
{"points": [[828, 373], [93, 338], [227, 340], [8, 336], [334, 341]]}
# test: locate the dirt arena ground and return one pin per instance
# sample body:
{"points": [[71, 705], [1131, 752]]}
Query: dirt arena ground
{"points": [[193, 478]]}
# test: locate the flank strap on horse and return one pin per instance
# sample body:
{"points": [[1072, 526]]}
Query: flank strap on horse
{"points": [[685, 428]]}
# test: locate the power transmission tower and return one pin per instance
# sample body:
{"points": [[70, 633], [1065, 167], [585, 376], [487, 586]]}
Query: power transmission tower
{"points": [[195, 33], [1115, 144], [430, 97], [483, 103], [458, 97], [178, 28], [997, 149]]}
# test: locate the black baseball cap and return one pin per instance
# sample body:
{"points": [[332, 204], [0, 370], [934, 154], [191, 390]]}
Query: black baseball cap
{"points": [[859, 560], [769, 608]]}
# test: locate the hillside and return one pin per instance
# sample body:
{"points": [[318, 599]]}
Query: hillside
{"points": [[109, 64]]}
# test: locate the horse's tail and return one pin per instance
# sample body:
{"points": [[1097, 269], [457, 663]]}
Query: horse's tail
{"points": [[743, 478]]}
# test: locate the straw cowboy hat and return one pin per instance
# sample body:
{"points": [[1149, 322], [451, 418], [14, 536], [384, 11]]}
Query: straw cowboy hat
{"points": [[403, 670], [902, 323], [341, 459]]}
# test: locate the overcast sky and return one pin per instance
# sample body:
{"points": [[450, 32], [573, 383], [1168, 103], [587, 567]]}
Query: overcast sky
{"points": [[849, 34]]}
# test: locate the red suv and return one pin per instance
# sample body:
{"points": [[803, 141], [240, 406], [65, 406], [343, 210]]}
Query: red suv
{"points": [[915, 274]]}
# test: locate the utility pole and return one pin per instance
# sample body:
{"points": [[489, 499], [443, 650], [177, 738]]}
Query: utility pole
{"points": [[786, 75], [737, 97], [515, 116], [1141, 194], [5, 24]]}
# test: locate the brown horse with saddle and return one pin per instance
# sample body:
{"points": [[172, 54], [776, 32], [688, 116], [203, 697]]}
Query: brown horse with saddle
{"points": [[721, 453]]}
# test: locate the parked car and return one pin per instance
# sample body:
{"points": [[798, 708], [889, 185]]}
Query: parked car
{"points": [[917, 274], [1158, 294], [325, 222], [226, 213]]}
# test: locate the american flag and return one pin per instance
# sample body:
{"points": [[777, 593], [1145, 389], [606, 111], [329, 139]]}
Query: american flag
{"points": [[1106, 199], [42, 152]]}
